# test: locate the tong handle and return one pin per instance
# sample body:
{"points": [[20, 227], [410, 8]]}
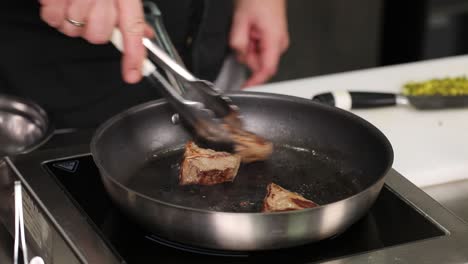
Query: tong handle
{"points": [[116, 39], [161, 57], [154, 17], [149, 70], [167, 62], [199, 90], [195, 112]]}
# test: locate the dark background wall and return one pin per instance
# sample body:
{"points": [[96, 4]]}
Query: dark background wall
{"points": [[341, 35], [330, 36]]}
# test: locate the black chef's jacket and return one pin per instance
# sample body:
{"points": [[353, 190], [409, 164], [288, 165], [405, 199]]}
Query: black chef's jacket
{"points": [[80, 84]]}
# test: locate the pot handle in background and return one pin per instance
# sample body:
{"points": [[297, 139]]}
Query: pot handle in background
{"points": [[357, 100]]}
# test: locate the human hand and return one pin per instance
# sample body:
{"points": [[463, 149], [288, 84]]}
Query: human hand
{"points": [[259, 35], [94, 20]]}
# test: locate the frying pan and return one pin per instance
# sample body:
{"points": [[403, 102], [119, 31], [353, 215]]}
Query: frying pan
{"points": [[328, 155]]}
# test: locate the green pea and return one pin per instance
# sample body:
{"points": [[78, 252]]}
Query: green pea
{"points": [[443, 86]]}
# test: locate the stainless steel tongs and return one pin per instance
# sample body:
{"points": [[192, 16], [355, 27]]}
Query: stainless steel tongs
{"points": [[205, 109]]}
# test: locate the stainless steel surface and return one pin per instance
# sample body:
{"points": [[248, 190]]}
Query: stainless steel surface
{"points": [[197, 90], [6, 238], [452, 195], [6, 246], [193, 89], [232, 75], [203, 121], [45, 236], [24, 125], [165, 61], [203, 108], [154, 18], [450, 248], [170, 213], [207, 94]]}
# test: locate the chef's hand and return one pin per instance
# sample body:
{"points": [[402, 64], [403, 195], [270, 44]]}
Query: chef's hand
{"points": [[259, 35], [100, 17]]}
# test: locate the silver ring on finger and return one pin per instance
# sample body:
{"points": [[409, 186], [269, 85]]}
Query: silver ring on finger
{"points": [[76, 23]]}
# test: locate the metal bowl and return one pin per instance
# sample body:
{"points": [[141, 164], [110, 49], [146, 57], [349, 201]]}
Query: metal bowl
{"points": [[24, 126]]}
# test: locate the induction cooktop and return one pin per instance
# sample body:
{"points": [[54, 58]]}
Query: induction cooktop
{"points": [[70, 218], [390, 222]]}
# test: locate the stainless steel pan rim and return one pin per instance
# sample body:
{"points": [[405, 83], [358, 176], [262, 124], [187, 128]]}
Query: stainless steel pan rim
{"points": [[260, 95], [34, 113]]}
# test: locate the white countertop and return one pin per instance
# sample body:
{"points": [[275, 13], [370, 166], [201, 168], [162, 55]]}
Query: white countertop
{"points": [[431, 147]]}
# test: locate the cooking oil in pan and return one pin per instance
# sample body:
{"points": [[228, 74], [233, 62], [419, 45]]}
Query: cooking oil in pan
{"points": [[312, 173]]}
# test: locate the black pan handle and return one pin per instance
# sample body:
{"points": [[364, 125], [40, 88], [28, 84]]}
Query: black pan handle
{"points": [[356, 100]]}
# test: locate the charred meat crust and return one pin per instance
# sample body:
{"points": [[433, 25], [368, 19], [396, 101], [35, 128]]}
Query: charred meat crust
{"points": [[206, 166], [303, 203], [250, 146], [211, 177], [286, 200]]}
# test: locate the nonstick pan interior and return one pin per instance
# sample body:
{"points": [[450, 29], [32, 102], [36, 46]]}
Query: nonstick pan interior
{"points": [[320, 153], [320, 176]]}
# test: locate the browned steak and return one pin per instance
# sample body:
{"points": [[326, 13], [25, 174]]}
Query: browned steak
{"points": [[279, 199], [250, 146], [206, 166]]}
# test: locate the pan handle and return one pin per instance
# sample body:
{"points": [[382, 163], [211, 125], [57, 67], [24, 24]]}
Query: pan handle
{"points": [[358, 100]]}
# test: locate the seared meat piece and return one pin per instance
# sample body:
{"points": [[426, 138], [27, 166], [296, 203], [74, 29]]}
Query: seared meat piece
{"points": [[206, 166], [250, 146], [279, 199]]}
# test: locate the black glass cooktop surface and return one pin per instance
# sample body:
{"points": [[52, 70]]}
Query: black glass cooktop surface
{"points": [[391, 221]]}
